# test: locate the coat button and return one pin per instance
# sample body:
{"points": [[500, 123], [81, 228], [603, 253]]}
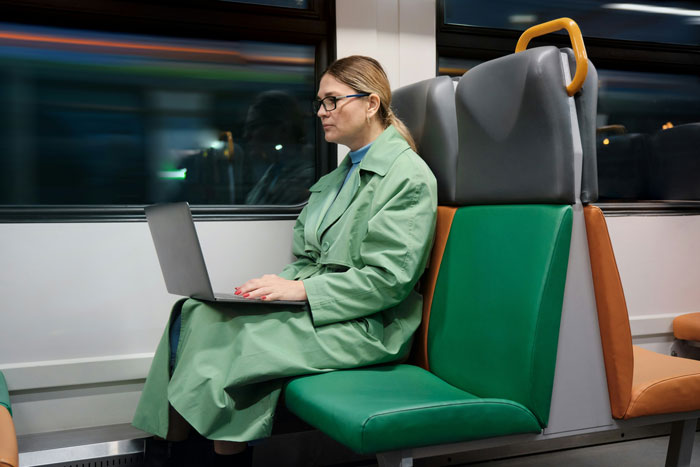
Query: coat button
{"points": [[325, 246]]}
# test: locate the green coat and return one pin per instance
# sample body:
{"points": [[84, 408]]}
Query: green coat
{"points": [[359, 252]]}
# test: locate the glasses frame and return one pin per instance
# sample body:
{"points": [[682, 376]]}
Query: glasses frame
{"points": [[318, 103]]}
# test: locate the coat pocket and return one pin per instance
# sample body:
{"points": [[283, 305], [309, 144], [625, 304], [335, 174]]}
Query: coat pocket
{"points": [[373, 325]]}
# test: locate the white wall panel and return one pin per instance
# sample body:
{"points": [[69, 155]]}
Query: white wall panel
{"points": [[95, 289], [659, 262], [71, 409], [84, 305]]}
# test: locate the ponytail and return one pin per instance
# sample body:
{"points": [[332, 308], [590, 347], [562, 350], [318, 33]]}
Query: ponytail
{"points": [[392, 119]]}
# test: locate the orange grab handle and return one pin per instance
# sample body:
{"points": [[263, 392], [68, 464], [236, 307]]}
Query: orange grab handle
{"points": [[576, 42]]}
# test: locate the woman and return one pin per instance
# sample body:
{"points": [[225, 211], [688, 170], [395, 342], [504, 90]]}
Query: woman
{"points": [[361, 244]]}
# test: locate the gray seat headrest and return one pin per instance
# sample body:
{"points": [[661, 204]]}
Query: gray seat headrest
{"points": [[514, 128], [428, 110]]}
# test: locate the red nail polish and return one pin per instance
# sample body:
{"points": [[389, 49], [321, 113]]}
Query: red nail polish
{"points": [[245, 295], [238, 292], [263, 297]]}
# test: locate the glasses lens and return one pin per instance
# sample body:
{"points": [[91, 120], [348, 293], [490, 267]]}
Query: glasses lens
{"points": [[328, 103], [316, 105]]}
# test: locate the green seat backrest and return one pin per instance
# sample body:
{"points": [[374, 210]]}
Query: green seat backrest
{"points": [[497, 304]]}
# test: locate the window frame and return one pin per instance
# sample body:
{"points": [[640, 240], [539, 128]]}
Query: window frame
{"points": [[195, 19], [477, 43]]}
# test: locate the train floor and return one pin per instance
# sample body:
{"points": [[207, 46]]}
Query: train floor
{"points": [[646, 448]]}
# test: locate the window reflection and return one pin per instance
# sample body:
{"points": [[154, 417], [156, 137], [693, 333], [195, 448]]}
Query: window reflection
{"points": [[95, 118], [676, 22], [648, 135], [301, 4]]}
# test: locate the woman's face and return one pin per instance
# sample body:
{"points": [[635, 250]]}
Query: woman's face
{"points": [[347, 124]]}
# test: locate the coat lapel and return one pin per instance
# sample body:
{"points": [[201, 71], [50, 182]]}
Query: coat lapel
{"points": [[341, 202], [325, 191]]}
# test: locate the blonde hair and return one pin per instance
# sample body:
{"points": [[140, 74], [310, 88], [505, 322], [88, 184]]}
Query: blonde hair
{"points": [[365, 74]]}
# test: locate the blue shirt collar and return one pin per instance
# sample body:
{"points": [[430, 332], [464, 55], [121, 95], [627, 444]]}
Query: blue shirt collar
{"points": [[356, 156]]}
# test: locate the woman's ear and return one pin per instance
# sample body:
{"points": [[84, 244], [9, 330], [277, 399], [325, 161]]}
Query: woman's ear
{"points": [[373, 105]]}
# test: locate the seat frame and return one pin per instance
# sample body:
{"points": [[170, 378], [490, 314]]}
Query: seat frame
{"points": [[678, 453]]}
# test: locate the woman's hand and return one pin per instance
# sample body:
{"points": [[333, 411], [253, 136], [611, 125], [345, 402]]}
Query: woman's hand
{"points": [[272, 287]]}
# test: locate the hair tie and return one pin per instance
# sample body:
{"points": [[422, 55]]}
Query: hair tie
{"points": [[390, 117]]}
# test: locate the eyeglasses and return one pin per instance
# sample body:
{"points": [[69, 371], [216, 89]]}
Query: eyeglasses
{"points": [[329, 103]]}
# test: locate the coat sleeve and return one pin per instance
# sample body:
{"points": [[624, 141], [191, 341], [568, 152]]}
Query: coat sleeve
{"points": [[290, 271], [394, 253]]}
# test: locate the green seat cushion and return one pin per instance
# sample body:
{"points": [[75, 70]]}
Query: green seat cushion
{"points": [[4, 394], [386, 408]]}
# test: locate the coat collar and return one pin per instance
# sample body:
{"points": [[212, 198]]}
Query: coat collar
{"points": [[384, 151], [380, 157]]}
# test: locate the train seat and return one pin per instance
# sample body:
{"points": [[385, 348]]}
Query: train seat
{"points": [[9, 456], [640, 382], [686, 331], [494, 287], [428, 110], [674, 158], [687, 327], [624, 161], [674, 162], [586, 103]]}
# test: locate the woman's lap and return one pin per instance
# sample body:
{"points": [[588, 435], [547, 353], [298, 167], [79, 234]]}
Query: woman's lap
{"points": [[232, 362]]}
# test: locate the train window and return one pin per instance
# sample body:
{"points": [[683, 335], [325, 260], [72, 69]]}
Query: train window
{"points": [[649, 87], [109, 108], [455, 66], [302, 4], [103, 118], [676, 22], [648, 134]]}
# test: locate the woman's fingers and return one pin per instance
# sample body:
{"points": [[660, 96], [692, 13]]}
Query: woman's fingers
{"points": [[258, 287], [272, 287], [250, 286], [259, 292]]}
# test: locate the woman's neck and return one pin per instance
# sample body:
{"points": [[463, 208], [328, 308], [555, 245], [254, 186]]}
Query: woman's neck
{"points": [[373, 131]]}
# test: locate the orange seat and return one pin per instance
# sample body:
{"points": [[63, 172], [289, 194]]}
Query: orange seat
{"points": [[640, 382], [8, 440], [687, 327], [663, 384]]}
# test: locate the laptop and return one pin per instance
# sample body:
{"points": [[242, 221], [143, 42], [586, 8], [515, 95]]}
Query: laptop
{"points": [[181, 260]]}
